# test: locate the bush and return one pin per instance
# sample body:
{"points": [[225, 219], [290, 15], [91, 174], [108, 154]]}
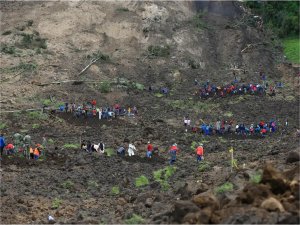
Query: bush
{"points": [[35, 126], [198, 22], [47, 102], [115, 190], [105, 87], [141, 181], [110, 152], [160, 51], [73, 146], [163, 175], [204, 166], [8, 49], [56, 203], [135, 219], [67, 184], [35, 115], [2, 126], [256, 178], [224, 188]]}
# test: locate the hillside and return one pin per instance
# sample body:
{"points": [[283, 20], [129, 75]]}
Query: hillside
{"points": [[135, 45]]}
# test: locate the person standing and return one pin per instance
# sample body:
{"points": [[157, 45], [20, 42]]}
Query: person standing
{"points": [[2, 143], [200, 152], [173, 152], [149, 150], [27, 143], [131, 149]]}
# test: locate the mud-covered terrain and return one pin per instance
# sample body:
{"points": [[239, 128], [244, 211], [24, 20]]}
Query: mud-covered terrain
{"points": [[54, 41]]}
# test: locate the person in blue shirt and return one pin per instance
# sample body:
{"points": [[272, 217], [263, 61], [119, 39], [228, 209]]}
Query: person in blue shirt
{"points": [[2, 143]]}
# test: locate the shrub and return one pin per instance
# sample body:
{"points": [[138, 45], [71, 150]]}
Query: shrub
{"points": [[56, 203], [161, 51], [105, 87], [115, 190], [204, 166], [110, 152], [35, 126], [163, 175], [224, 188], [67, 184], [198, 22], [93, 184], [74, 146], [47, 102], [141, 181], [169, 171], [159, 95], [8, 32], [35, 115], [135, 219], [8, 49], [256, 178], [2, 126], [192, 63], [122, 9]]}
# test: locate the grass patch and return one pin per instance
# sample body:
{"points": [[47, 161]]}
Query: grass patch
{"points": [[163, 175], [71, 146], [204, 166], [135, 219], [203, 107], [105, 87], [222, 140], [67, 184], [226, 187], [115, 190], [256, 178], [8, 49], [198, 22], [122, 9], [35, 126], [37, 115], [32, 41], [159, 95], [292, 49], [2, 126], [159, 51], [93, 184], [110, 152], [99, 55], [22, 67], [46, 102], [137, 86], [141, 181], [56, 203]]}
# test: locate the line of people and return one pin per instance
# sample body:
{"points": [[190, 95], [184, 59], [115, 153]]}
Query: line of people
{"points": [[229, 127], [89, 110]]}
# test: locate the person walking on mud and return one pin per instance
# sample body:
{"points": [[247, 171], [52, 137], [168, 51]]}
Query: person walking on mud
{"points": [[131, 149], [173, 152], [200, 152], [149, 150]]}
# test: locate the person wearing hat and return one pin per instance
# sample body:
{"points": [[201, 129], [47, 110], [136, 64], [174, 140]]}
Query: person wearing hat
{"points": [[173, 152], [200, 152], [149, 150]]}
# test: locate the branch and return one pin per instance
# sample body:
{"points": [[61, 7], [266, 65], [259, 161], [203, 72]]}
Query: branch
{"points": [[91, 63]]}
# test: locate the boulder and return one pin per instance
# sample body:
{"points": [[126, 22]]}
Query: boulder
{"points": [[272, 204], [192, 188], [149, 202], [293, 156], [205, 200], [182, 208]]}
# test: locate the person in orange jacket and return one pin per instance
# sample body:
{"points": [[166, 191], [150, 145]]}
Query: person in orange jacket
{"points": [[200, 152], [173, 152], [36, 153]]}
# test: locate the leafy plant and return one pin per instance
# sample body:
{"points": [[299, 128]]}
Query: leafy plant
{"points": [[67, 184], [2, 125], [56, 203], [135, 219], [35, 115], [105, 86], [226, 187], [46, 102], [93, 184], [35, 126], [110, 152], [204, 166], [159, 95], [162, 176], [74, 146], [256, 178], [115, 190], [141, 181], [159, 51]]}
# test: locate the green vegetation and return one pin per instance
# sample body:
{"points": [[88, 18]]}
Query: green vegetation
{"points": [[105, 87], [73, 146], [110, 152], [204, 107], [2, 125], [141, 181], [292, 49], [93, 184], [8, 32], [46, 102], [281, 16], [162, 176], [228, 114], [204, 166], [51, 141], [22, 67], [193, 64], [226, 187], [159, 95], [32, 41], [197, 21], [35, 126], [159, 51], [135, 219], [256, 178], [37, 115], [8, 49], [56, 203], [115, 190], [122, 9], [99, 55], [67, 184], [137, 86]]}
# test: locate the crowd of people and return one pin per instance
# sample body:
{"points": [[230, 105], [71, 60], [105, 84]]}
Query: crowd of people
{"points": [[90, 109], [221, 127], [22, 144]]}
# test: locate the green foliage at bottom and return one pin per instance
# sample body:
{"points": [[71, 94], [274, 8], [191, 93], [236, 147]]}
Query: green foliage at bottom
{"points": [[135, 219], [141, 181], [226, 187], [292, 49]]}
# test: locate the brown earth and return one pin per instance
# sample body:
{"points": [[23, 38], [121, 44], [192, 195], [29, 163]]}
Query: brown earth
{"points": [[124, 30]]}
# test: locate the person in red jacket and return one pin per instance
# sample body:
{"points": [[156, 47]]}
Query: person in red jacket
{"points": [[200, 152], [149, 150], [173, 152], [10, 148]]}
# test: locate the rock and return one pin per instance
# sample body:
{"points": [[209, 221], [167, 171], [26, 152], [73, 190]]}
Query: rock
{"points": [[274, 179], [191, 188], [121, 201], [149, 202], [272, 204], [200, 217], [182, 208], [205, 200], [253, 193], [288, 218], [293, 157]]}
